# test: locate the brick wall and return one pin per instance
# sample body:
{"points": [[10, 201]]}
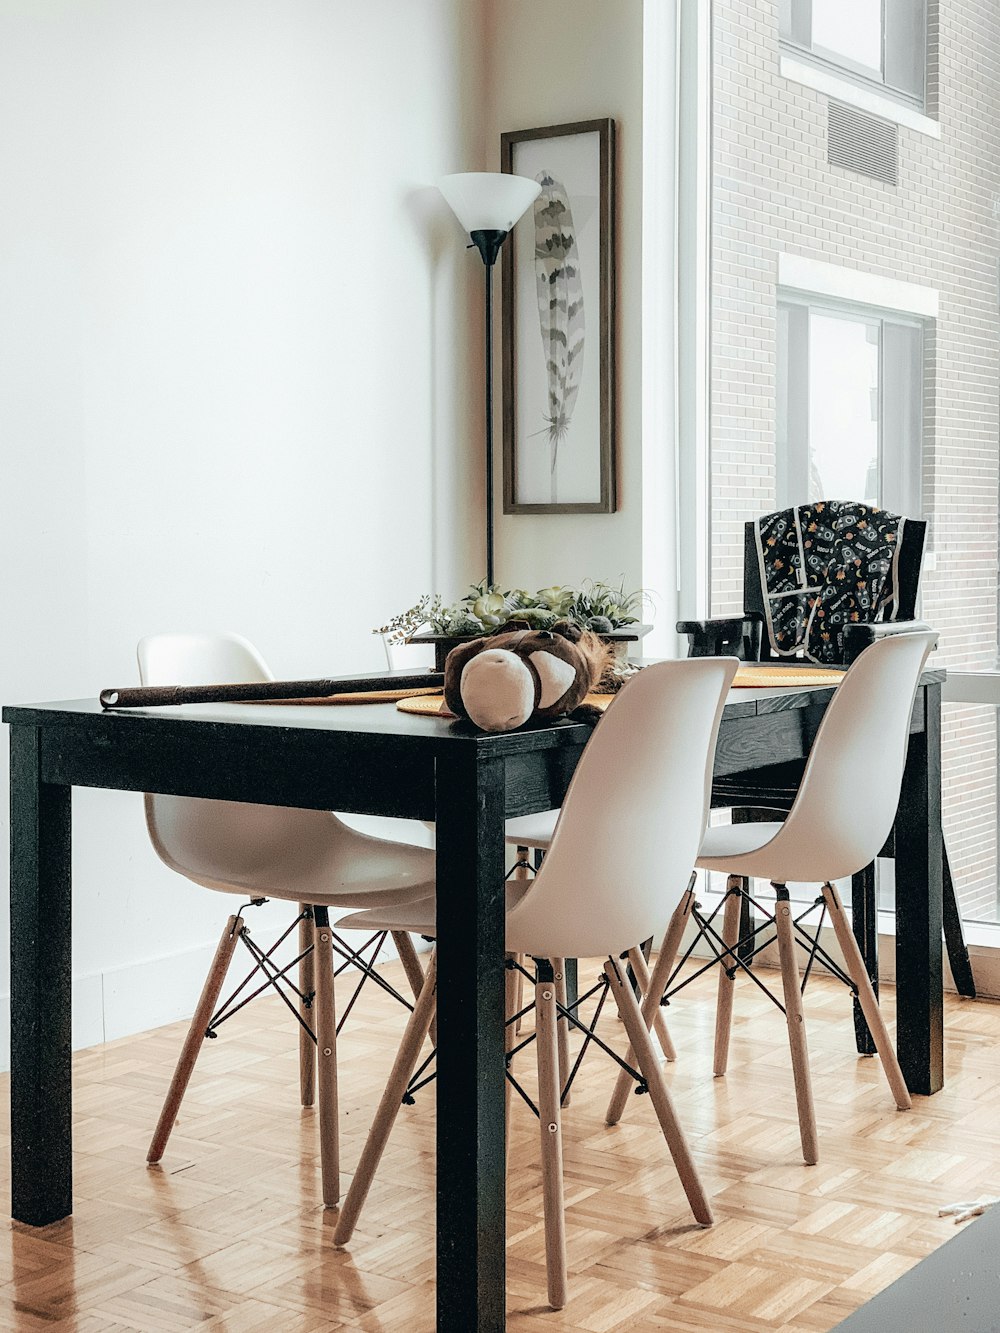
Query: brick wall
{"points": [[775, 192]]}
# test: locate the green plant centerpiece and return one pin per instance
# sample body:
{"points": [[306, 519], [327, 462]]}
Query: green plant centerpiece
{"points": [[609, 611]]}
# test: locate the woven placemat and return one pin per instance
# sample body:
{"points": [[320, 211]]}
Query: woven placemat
{"points": [[428, 704], [362, 697], [765, 677]]}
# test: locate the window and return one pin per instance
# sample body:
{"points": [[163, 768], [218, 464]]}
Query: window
{"points": [[849, 390], [876, 41], [852, 342]]}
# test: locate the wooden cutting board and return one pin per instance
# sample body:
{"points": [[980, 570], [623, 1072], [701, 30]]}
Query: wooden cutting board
{"points": [[773, 677]]}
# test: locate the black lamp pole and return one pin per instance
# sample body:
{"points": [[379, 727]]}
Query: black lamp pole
{"points": [[488, 244]]}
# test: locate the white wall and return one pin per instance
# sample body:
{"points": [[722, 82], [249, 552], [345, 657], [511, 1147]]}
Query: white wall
{"points": [[235, 390], [551, 63]]}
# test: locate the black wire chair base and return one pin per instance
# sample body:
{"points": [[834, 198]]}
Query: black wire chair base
{"points": [[737, 957], [280, 981], [570, 1012]]}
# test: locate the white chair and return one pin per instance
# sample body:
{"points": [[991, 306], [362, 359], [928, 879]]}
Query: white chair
{"points": [[308, 857], [617, 862], [841, 817], [407, 656]]}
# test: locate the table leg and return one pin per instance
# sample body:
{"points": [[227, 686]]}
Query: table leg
{"points": [[919, 994], [864, 917], [40, 989], [470, 1060]]}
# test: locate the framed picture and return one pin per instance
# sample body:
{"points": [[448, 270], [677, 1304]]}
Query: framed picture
{"points": [[559, 323]]}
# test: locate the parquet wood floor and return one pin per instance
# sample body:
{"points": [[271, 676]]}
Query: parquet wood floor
{"points": [[230, 1235]]}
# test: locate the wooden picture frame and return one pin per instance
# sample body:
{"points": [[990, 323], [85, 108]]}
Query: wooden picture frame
{"points": [[559, 409]]}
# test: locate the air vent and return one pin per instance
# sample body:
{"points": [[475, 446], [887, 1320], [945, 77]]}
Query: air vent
{"points": [[862, 143]]}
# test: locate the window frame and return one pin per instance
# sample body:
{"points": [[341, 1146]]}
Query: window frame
{"points": [[899, 469], [795, 37]]}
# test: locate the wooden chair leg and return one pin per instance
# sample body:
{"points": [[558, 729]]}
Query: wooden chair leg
{"points": [[519, 1001], [562, 1027], [731, 918], [795, 1020], [388, 1108], [550, 1130], [195, 1036], [866, 998], [307, 985], [326, 1056], [640, 970], [653, 993], [411, 963], [413, 968], [649, 1067]]}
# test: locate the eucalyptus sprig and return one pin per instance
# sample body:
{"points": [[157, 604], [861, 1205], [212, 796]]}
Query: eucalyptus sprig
{"points": [[595, 605]]}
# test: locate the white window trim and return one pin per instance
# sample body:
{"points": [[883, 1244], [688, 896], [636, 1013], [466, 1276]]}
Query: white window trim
{"points": [[972, 687], [694, 307], [677, 167], [660, 500], [845, 90], [817, 278]]}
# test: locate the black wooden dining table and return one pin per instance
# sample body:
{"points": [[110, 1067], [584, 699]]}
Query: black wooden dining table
{"points": [[373, 759]]}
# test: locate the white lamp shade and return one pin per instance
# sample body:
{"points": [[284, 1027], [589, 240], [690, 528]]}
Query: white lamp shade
{"points": [[488, 200]]}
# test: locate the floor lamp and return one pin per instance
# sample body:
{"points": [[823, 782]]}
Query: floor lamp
{"points": [[488, 204]]}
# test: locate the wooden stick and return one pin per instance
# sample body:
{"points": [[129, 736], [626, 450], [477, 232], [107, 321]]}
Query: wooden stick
{"points": [[795, 1019], [153, 696], [640, 970], [659, 1095], [388, 1108], [866, 998], [413, 968], [550, 1131], [326, 1056], [307, 985], [195, 1036], [652, 997], [727, 977]]}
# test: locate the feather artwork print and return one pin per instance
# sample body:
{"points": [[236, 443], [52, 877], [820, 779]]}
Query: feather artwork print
{"points": [[560, 311]]}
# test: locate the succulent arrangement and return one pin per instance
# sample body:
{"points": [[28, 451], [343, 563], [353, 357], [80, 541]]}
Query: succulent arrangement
{"points": [[597, 606]]}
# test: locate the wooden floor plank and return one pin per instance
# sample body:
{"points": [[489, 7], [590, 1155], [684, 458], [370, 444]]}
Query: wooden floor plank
{"points": [[229, 1231]]}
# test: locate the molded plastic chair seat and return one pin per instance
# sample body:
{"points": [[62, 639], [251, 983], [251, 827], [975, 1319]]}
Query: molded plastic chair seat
{"points": [[418, 918], [721, 847], [295, 855], [532, 830]]}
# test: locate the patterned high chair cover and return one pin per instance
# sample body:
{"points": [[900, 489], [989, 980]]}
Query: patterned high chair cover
{"points": [[824, 566]]}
